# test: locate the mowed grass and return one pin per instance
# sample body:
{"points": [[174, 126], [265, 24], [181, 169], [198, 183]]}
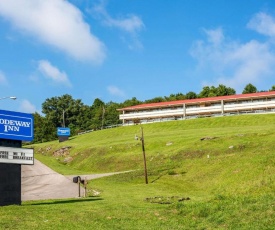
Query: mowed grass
{"points": [[206, 173]]}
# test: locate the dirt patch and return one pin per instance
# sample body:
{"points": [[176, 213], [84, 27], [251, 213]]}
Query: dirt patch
{"points": [[64, 151]]}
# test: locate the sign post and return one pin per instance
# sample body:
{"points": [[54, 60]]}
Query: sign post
{"points": [[63, 133], [15, 127]]}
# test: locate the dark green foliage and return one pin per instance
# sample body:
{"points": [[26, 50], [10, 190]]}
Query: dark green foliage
{"points": [[68, 112], [213, 91], [111, 116], [44, 130], [249, 88], [64, 111], [98, 112], [222, 90], [131, 102], [155, 100], [191, 95], [174, 97]]}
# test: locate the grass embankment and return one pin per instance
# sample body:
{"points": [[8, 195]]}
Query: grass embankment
{"points": [[228, 176]]}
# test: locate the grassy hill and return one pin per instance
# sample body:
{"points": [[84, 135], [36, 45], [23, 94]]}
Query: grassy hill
{"points": [[206, 173]]}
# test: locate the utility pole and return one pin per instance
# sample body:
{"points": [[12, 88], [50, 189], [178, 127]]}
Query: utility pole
{"points": [[144, 157], [102, 118], [63, 118]]}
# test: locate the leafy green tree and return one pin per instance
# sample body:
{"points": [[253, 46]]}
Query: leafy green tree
{"points": [[44, 130], [222, 90], [155, 100], [77, 116], [213, 91], [84, 121], [131, 102], [98, 113], [175, 97], [272, 88], [49, 131], [180, 96], [38, 127], [111, 116], [249, 88], [51, 110], [191, 95], [64, 111], [207, 92]]}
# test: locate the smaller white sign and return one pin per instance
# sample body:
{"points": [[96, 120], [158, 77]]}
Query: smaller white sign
{"points": [[16, 155]]}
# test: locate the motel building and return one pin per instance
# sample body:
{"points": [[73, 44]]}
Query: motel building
{"points": [[262, 102]]}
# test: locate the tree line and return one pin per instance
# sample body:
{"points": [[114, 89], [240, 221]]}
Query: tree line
{"points": [[64, 111]]}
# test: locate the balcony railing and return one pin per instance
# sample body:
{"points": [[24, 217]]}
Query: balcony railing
{"points": [[216, 109]]}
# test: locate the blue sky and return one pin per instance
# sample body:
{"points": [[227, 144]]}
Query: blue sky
{"points": [[118, 49]]}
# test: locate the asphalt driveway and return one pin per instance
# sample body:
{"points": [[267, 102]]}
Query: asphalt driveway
{"points": [[39, 182]]}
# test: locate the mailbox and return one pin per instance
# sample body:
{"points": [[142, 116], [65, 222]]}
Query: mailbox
{"points": [[78, 180], [75, 179]]}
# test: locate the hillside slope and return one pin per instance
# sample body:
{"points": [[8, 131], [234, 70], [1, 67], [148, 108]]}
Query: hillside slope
{"points": [[225, 166], [236, 150]]}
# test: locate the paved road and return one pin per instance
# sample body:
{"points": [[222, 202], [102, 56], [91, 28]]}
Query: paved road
{"points": [[39, 182]]}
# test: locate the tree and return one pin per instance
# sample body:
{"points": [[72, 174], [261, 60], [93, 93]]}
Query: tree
{"points": [[84, 121], [77, 116], [175, 97], [213, 91], [249, 88], [111, 114], [64, 110], [98, 113], [180, 96], [207, 92], [191, 95], [272, 88], [131, 102], [44, 130], [222, 90], [38, 127], [155, 100]]}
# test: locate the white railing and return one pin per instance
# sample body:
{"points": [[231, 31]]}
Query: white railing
{"points": [[198, 110]]}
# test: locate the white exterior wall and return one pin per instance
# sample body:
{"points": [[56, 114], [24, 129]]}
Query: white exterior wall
{"points": [[191, 110]]}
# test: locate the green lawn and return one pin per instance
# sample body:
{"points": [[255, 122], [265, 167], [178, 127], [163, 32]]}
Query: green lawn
{"points": [[225, 181]]}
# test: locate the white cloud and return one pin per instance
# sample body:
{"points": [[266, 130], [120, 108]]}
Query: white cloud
{"points": [[215, 36], [233, 63], [132, 24], [57, 23], [33, 78], [263, 24], [3, 80], [27, 107], [53, 73], [113, 90]]}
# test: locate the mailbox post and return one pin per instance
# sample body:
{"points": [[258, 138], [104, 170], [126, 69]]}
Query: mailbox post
{"points": [[78, 180]]}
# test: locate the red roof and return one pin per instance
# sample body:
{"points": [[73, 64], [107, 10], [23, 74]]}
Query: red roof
{"points": [[199, 100]]}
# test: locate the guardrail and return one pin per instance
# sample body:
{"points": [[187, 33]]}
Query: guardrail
{"points": [[104, 127], [88, 131]]}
